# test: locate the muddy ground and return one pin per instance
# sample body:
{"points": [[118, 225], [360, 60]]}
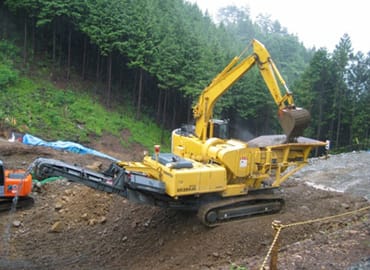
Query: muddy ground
{"points": [[74, 227]]}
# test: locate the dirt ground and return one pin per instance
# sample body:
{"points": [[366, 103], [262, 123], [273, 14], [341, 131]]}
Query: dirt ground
{"points": [[74, 227]]}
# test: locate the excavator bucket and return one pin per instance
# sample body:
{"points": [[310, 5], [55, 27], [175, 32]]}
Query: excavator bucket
{"points": [[294, 121]]}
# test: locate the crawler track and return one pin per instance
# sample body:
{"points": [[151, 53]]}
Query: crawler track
{"points": [[6, 204], [216, 213]]}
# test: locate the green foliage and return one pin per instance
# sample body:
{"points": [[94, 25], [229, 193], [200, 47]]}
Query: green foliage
{"points": [[8, 52], [8, 76], [105, 24], [54, 114], [237, 267], [315, 93], [181, 50], [335, 88]]}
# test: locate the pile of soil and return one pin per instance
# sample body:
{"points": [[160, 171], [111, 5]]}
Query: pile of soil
{"points": [[74, 227]]}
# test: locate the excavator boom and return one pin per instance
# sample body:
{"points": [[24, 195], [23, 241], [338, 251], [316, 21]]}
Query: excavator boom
{"points": [[293, 120]]}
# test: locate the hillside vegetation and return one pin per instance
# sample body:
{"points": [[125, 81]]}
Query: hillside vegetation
{"points": [[34, 105]]}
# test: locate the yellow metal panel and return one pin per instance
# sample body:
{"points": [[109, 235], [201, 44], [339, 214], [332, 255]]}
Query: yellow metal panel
{"points": [[199, 179], [212, 178], [187, 146], [235, 190], [181, 182]]}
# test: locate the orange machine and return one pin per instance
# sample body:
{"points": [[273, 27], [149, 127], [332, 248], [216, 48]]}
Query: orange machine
{"points": [[14, 183]]}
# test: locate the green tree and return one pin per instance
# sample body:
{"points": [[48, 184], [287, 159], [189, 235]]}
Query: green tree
{"points": [[140, 45], [27, 8], [105, 26], [358, 82], [315, 93], [340, 58], [61, 14]]}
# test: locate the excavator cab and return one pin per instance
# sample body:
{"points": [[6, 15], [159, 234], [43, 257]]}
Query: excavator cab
{"points": [[216, 129], [14, 182], [219, 129], [17, 184]]}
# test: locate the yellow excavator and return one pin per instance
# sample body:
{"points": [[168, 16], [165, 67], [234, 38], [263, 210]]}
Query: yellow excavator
{"points": [[220, 178]]}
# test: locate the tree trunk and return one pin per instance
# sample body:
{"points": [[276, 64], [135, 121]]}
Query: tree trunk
{"points": [[338, 130], [69, 52], [174, 111], [134, 94], [164, 113], [189, 116], [139, 96], [84, 56], [333, 118], [159, 106], [174, 115], [33, 45], [25, 42], [319, 122], [121, 77], [97, 74], [98, 66], [339, 123], [54, 41], [350, 139], [109, 79], [4, 21]]}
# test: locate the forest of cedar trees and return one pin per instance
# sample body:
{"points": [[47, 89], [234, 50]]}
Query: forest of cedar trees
{"points": [[162, 54]]}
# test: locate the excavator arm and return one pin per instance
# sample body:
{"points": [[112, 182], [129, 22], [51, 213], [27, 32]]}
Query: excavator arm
{"points": [[293, 120]]}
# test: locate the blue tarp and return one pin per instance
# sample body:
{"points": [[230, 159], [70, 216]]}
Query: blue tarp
{"points": [[64, 145]]}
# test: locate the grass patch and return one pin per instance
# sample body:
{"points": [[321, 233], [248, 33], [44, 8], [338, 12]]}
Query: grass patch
{"points": [[42, 110]]}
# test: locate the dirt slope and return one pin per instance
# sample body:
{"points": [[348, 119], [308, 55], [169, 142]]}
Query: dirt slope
{"points": [[74, 227]]}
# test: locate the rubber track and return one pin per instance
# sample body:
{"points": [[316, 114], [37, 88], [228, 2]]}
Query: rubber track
{"points": [[224, 204], [23, 202]]}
